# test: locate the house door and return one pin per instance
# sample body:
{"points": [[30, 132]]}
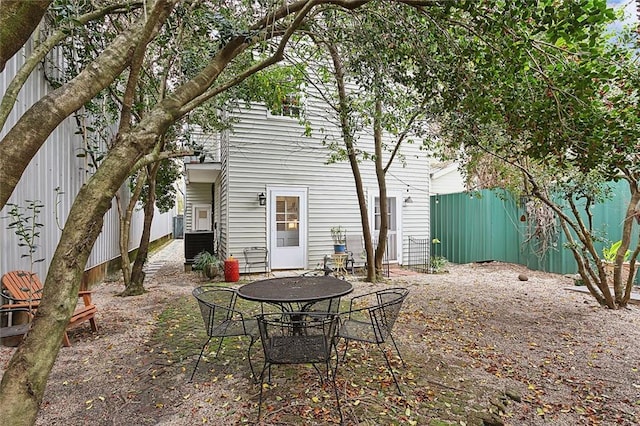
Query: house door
{"points": [[201, 217], [288, 228], [393, 210]]}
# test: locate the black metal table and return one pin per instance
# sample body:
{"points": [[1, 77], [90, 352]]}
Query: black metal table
{"points": [[291, 291]]}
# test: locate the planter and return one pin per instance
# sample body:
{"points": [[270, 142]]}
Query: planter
{"points": [[339, 237], [211, 270]]}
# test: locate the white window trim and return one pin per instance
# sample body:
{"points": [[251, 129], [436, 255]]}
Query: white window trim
{"points": [[193, 214]]}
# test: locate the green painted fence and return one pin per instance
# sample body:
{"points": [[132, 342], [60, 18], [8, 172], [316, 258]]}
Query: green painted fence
{"points": [[491, 225]]}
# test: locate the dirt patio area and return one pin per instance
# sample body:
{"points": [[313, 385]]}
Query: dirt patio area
{"points": [[481, 347]]}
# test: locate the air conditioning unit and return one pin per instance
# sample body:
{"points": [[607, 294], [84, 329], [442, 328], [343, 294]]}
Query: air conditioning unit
{"points": [[195, 242]]}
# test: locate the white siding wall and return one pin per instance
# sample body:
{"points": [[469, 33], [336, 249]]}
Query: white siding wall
{"points": [[198, 194], [223, 198], [272, 151], [55, 165], [447, 181]]}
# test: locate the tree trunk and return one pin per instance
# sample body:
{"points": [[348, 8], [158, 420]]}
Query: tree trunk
{"points": [[24, 139], [18, 20], [590, 265], [123, 240], [136, 285], [382, 185], [24, 380], [347, 136], [23, 383], [125, 217]]}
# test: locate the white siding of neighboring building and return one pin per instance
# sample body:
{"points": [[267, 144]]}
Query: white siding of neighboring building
{"points": [[447, 180], [56, 165]]}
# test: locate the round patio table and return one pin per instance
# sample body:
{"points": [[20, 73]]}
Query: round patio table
{"points": [[303, 291]]}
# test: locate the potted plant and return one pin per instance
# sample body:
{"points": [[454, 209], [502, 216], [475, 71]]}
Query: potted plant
{"points": [[339, 237], [609, 254], [437, 263], [208, 263]]}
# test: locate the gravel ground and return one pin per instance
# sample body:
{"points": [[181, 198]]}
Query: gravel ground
{"points": [[477, 330]]}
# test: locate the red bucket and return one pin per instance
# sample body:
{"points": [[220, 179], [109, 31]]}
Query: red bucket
{"points": [[231, 270]]}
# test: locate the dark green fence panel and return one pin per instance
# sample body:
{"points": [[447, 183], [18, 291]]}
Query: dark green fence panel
{"points": [[490, 225], [475, 227]]}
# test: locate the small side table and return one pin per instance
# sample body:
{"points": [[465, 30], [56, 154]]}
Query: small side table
{"points": [[340, 263]]}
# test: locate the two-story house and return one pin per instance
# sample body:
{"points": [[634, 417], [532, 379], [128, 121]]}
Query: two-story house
{"points": [[264, 183]]}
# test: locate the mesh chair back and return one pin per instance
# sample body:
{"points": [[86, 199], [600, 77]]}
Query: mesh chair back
{"points": [[384, 315], [297, 337], [374, 322], [327, 305], [217, 309], [221, 319]]}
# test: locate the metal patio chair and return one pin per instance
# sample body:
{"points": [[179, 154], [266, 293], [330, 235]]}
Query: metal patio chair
{"points": [[331, 306], [298, 338], [256, 256], [221, 319], [371, 318], [357, 255]]}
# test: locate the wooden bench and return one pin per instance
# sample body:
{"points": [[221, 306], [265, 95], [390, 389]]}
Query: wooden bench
{"points": [[24, 289]]}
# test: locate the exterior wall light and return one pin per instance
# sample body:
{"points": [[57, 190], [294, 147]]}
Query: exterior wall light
{"points": [[262, 199], [407, 199]]}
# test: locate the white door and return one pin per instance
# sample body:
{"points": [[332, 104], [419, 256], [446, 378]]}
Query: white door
{"points": [[287, 227], [201, 217], [393, 213]]}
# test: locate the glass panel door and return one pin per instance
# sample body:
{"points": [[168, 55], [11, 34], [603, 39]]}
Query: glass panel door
{"points": [[287, 224], [392, 233], [287, 229]]}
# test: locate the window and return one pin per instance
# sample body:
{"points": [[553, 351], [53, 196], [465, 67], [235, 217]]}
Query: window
{"points": [[291, 106], [287, 223]]}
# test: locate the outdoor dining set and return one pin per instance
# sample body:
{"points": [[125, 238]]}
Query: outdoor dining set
{"points": [[301, 322]]}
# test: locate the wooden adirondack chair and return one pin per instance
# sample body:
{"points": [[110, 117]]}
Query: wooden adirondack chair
{"points": [[24, 290]]}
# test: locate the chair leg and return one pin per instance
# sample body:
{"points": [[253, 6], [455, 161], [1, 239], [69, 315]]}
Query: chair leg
{"points": [[65, 340], [219, 346], [397, 350], [386, 358], [346, 345], [335, 390], [253, 372], [261, 388], [320, 373], [198, 361], [334, 375]]}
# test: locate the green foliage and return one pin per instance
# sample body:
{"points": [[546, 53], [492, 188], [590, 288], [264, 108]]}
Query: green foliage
{"points": [[551, 95], [273, 85], [610, 252], [24, 222], [438, 264], [203, 259], [168, 173], [338, 234]]}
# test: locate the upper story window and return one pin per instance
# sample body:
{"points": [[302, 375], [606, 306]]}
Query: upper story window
{"points": [[291, 106]]}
